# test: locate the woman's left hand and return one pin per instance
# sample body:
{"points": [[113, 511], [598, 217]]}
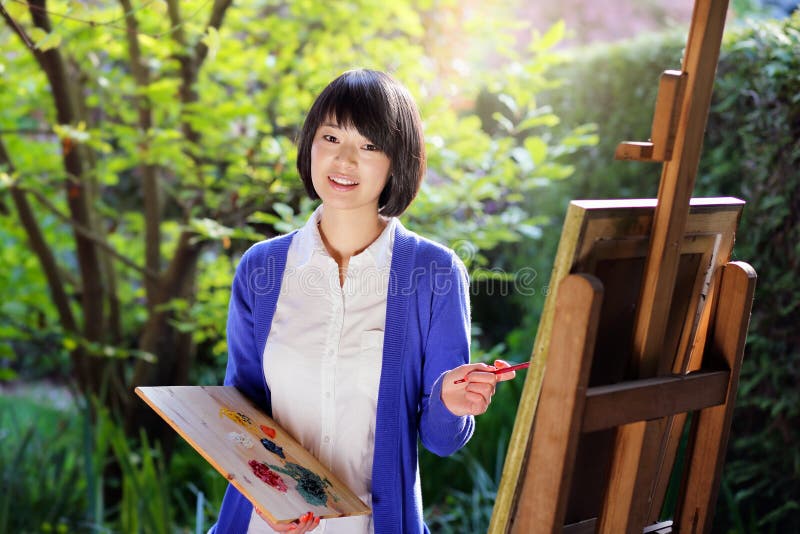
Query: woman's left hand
{"points": [[473, 396]]}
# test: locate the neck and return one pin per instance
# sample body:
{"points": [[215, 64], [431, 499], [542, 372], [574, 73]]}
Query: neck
{"points": [[345, 233]]}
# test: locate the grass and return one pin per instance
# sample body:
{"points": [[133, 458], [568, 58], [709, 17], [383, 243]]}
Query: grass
{"points": [[54, 466]]}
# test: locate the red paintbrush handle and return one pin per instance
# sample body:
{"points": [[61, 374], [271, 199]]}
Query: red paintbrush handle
{"points": [[516, 367]]}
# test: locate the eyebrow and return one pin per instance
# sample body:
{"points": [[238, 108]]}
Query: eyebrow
{"points": [[332, 125]]}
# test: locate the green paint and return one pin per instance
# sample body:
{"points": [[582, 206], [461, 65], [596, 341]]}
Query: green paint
{"points": [[309, 484]]}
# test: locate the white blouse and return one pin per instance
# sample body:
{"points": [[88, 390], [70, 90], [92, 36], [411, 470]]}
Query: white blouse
{"points": [[322, 360]]}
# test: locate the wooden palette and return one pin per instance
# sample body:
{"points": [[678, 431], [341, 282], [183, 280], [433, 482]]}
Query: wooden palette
{"points": [[227, 430]]}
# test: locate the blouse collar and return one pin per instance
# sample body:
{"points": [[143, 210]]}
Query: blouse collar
{"points": [[309, 242]]}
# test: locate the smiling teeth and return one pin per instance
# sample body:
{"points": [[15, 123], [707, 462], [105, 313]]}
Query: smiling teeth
{"points": [[342, 181]]}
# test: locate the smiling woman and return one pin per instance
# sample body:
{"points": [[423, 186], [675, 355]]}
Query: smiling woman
{"points": [[382, 117], [358, 372], [348, 171]]}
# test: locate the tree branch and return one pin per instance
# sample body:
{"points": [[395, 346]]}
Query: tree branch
{"points": [[65, 98], [39, 247], [215, 21], [87, 233], [17, 29], [150, 186], [189, 67]]}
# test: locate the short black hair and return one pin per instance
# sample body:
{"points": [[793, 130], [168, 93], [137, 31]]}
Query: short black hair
{"points": [[383, 111]]}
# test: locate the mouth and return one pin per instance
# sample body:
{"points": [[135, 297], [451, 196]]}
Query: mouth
{"points": [[339, 181]]}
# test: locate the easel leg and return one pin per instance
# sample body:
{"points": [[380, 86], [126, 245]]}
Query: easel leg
{"points": [[542, 499], [712, 426]]}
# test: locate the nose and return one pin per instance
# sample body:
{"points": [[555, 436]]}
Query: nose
{"points": [[348, 154]]}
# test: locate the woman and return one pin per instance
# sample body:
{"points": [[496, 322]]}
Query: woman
{"points": [[352, 330]]}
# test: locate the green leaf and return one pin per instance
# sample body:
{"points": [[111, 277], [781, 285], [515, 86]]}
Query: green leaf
{"points": [[550, 38], [537, 148], [37, 34], [547, 120], [284, 210], [212, 41], [49, 41]]}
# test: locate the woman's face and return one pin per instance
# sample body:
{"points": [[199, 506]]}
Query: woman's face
{"points": [[348, 171]]}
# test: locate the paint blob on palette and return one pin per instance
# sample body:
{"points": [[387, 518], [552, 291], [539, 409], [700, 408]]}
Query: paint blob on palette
{"points": [[309, 484], [243, 440], [272, 447], [262, 471], [280, 478]]}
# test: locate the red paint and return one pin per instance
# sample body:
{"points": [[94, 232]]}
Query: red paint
{"points": [[270, 432], [499, 371], [269, 476]]}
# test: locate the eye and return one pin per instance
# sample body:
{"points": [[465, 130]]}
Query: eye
{"points": [[371, 148], [330, 138]]}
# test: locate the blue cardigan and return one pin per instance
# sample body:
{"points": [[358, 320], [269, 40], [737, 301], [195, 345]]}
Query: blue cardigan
{"points": [[427, 333]]}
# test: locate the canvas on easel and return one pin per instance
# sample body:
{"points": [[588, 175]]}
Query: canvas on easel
{"points": [[267, 465], [584, 343]]}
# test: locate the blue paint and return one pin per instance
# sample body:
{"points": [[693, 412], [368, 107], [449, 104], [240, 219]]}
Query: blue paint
{"points": [[272, 447]]}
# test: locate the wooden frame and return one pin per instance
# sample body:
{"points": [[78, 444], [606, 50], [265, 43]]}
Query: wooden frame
{"points": [[607, 241]]}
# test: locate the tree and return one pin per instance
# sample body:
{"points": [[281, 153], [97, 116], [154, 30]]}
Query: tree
{"points": [[165, 132]]}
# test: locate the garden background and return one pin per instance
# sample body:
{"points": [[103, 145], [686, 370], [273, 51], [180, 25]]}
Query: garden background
{"points": [[144, 146]]}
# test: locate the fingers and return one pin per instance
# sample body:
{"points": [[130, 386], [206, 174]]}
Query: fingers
{"points": [[305, 523], [479, 396], [469, 371], [502, 364]]}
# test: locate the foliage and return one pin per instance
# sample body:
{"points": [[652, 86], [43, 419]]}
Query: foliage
{"points": [[167, 148], [53, 463], [521, 158], [26, 326], [216, 149], [471, 510], [41, 469]]}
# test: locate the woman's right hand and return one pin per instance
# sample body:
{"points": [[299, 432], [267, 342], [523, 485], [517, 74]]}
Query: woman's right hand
{"points": [[305, 523]]}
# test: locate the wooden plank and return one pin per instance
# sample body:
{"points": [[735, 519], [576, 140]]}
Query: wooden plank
{"points": [[665, 119], [227, 430], [548, 473], [629, 512], [511, 479], [635, 150], [643, 400], [674, 426], [677, 183], [619, 494], [712, 426]]}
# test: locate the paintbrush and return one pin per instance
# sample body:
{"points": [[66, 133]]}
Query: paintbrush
{"points": [[516, 367]]}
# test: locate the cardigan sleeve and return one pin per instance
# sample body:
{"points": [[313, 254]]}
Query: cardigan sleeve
{"points": [[447, 347], [244, 358]]}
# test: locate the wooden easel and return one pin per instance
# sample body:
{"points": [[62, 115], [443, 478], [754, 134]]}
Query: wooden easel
{"points": [[596, 454]]}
